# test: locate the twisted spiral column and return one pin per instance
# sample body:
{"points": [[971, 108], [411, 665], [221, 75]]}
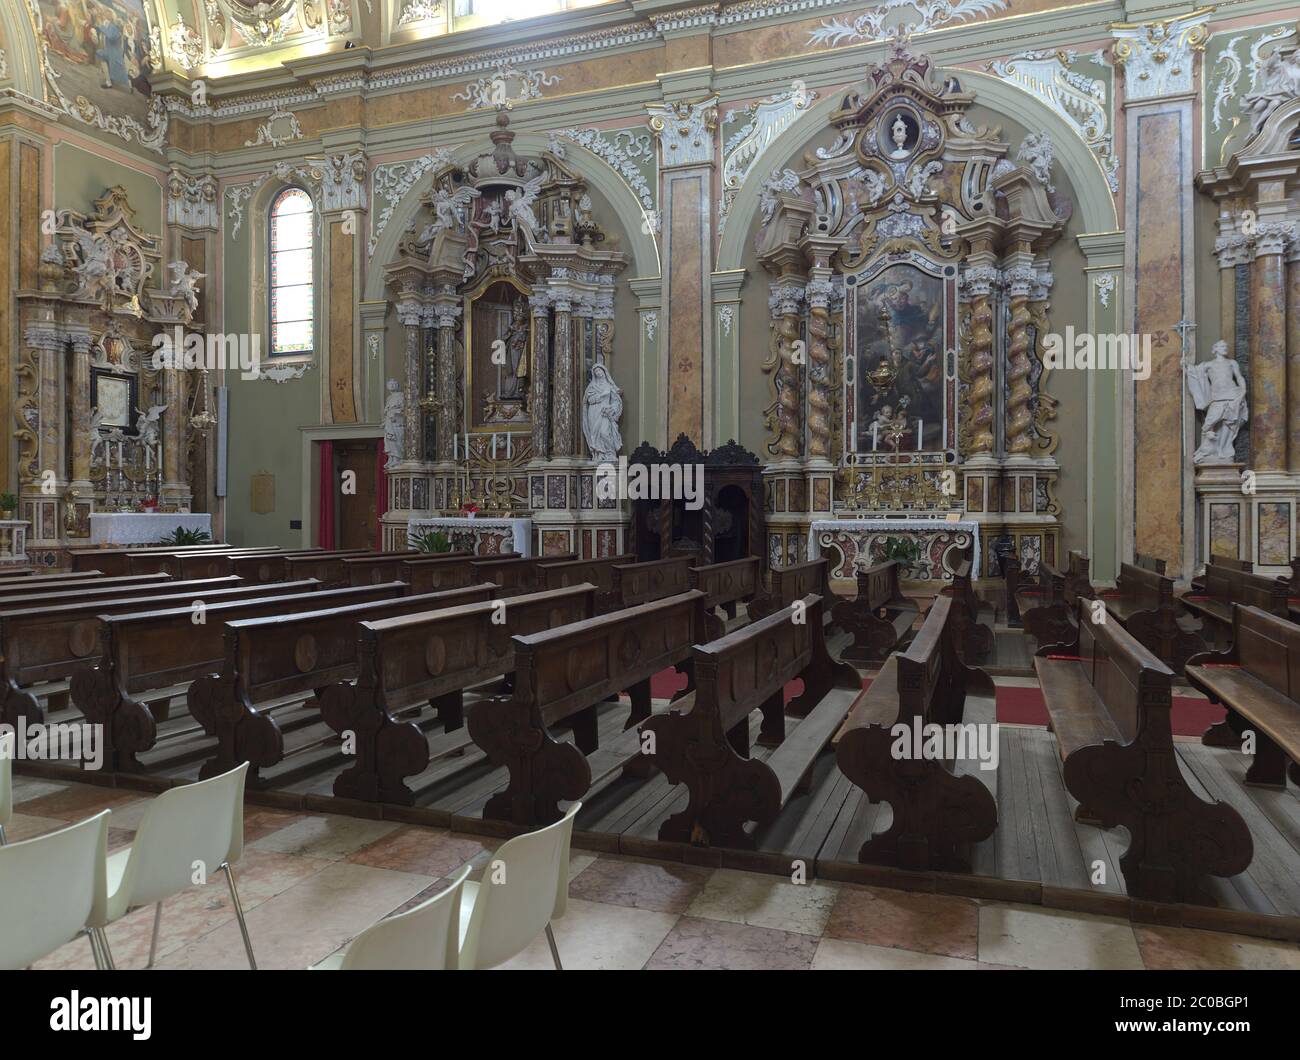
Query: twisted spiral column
{"points": [[819, 368], [784, 413], [1019, 419], [979, 282]]}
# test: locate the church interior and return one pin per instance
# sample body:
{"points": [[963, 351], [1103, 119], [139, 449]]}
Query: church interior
{"points": [[619, 484]]}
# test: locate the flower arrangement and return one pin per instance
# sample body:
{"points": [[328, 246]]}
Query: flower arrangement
{"points": [[470, 509]]}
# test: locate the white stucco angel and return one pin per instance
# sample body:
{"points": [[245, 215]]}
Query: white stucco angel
{"points": [[97, 441], [185, 282], [1219, 391], [1278, 80], [448, 210], [96, 265], [394, 424], [519, 206], [602, 408]]}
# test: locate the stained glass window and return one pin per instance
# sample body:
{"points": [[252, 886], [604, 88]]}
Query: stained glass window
{"points": [[291, 286]]}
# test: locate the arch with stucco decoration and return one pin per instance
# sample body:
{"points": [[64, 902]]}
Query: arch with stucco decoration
{"points": [[1093, 198], [642, 245], [22, 50]]}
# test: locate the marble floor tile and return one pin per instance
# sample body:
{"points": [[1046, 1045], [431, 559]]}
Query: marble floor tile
{"points": [[305, 923], [260, 821], [719, 944], [328, 836], [665, 888], [843, 955], [1029, 937], [28, 788], [765, 901], [428, 851], [924, 923], [1165, 947], [194, 913], [75, 802], [28, 826], [595, 936]]}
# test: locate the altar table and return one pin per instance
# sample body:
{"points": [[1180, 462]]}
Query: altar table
{"points": [[143, 528], [853, 539], [489, 536]]}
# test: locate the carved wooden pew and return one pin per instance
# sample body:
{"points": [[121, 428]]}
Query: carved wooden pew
{"points": [[1225, 586], [703, 742], [284, 655], [158, 649], [1293, 600], [1150, 563], [1143, 603], [563, 674], [1109, 700], [266, 567], [880, 617], [432, 658], [210, 563], [379, 567], [113, 561], [942, 804], [1047, 610], [515, 574], [972, 617], [788, 584], [1258, 681], [725, 585], [28, 577], [54, 641], [326, 567], [597, 572], [643, 583], [1227, 562], [448, 570], [35, 591]]}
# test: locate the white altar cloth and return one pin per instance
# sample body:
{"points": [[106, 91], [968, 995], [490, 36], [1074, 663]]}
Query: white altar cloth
{"points": [[519, 532], [865, 529], [142, 528]]}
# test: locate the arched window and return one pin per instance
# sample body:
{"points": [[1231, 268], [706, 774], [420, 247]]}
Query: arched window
{"points": [[292, 274]]}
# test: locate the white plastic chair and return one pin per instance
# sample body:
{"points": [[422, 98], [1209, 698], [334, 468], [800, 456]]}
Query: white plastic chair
{"points": [[524, 887], [7, 743], [54, 888], [423, 939], [186, 828]]}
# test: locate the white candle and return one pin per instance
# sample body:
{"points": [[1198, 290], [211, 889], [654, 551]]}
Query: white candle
{"points": [[510, 452], [918, 435], [875, 427], [853, 436], [494, 445], [455, 446]]}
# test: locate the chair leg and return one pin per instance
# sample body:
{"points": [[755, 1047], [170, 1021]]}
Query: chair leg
{"points": [[239, 913], [94, 949], [153, 942], [555, 954], [105, 950]]}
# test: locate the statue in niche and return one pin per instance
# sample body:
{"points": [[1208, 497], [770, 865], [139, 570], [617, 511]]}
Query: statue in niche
{"points": [[517, 348], [502, 337], [394, 424], [602, 408], [904, 134], [1219, 391]]}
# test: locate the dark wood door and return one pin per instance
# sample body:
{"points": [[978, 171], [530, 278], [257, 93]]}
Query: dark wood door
{"points": [[358, 512]]}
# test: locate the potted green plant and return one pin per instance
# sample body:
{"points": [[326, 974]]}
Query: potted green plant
{"points": [[8, 505], [182, 536], [431, 541], [905, 550]]}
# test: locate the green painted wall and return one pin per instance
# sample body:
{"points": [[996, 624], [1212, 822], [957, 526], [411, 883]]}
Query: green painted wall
{"points": [[81, 177]]}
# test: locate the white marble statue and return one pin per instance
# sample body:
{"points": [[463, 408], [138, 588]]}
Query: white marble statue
{"points": [[1219, 391], [519, 206], [448, 210], [602, 407], [96, 266], [394, 424], [185, 283], [97, 441]]}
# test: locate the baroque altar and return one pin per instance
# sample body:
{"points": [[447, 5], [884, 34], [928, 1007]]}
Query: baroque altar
{"points": [[942, 542], [504, 284], [909, 285], [484, 536], [102, 421]]}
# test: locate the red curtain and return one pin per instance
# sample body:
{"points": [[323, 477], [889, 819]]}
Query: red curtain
{"points": [[381, 497], [325, 515]]}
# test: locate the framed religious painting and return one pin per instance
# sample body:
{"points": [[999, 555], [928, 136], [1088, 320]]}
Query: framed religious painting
{"points": [[498, 382], [114, 397]]}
